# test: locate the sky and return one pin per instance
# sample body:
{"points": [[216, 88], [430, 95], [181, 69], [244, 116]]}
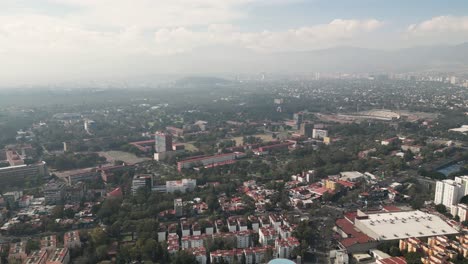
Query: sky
{"points": [[47, 41]]}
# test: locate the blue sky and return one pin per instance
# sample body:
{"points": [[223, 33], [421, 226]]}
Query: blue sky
{"points": [[39, 37], [397, 12]]}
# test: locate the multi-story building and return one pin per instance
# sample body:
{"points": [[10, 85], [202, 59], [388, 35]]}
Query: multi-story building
{"points": [[200, 254], [275, 221], [89, 126], [255, 255], [285, 247], [460, 210], [59, 256], [254, 222], [232, 224], [319, 133], [181, 186], [196, 229], [12, 197], [209, 228], [37, 257], [141, 181], [21, 172], [243, 239], [298, 119], [242, 224], [306, 129], [72, 240], [227, 256], [163, 142], [185, 228], [54, 192], [49, 243], [17, 252], [449, 192], [210, 161], [267, 235], [76, 192], [162, 232], [178, 207], [192, 241]]}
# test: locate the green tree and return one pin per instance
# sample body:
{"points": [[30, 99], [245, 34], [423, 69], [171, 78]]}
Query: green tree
{"points": [[441, 208], [183, 257]]}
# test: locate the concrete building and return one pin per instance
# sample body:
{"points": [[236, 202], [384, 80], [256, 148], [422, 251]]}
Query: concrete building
{"points": [[319, 133], [162, 232], [54, 192], [243, 239], [59, 256], [89, 126], [178, 207], [17, 252], [19, 173], [228, 256], [71, 240], [338, 257], [187, 241], [181, 186], [185, 228], [298, 119], [49, 243], [37, 257], [208, 161], [460, 210], [285, 247], [141, 181], [306, 129], [80, 175], [267, 235], [200, 254], [449, 192], [163, 142]]}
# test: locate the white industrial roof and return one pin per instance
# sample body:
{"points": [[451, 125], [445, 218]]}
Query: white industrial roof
{"points": [[399, 225]]}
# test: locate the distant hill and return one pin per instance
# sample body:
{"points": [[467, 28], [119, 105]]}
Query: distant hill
{"points": [[201, 81], [348, 59]]}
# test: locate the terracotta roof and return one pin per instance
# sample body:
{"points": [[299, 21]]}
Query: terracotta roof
{"points": [[393, 260]]}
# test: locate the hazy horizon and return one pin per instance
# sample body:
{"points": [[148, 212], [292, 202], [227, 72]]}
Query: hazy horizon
{"points": [[53, 41]]}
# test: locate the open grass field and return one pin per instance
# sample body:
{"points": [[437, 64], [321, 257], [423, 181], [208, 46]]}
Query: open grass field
{"points": [[190, 147], [126, 157], [264, 137]]}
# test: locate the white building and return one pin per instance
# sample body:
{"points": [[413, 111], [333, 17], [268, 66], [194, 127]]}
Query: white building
{"points": [[243, 239], [461, 210], [402, 225], [181, 186], [285, 247], [449, 192], [319, 133]]}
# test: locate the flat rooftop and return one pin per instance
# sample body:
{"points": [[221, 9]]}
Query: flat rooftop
{"points": [[400, 225]]}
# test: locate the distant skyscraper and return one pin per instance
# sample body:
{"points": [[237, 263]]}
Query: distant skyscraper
{"points": [[163, 142], [298, 119], [306, 129]]}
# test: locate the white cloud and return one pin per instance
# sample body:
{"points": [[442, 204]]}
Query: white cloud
{"points": [[75, 36], [440, 25], [336, 32]]}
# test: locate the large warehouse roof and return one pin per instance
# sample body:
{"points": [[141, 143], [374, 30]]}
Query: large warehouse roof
{"points": [[400, 225]]}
